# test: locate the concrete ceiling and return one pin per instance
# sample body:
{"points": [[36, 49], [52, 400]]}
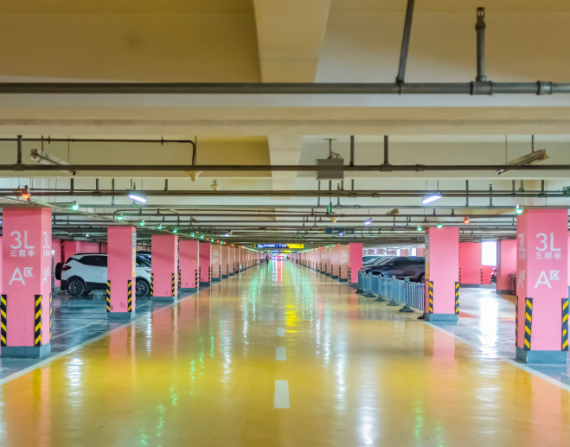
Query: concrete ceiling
{"points": [[287, 41]]}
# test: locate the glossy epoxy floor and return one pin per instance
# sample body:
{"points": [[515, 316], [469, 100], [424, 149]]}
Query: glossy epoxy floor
{"points": [[211, 370]]}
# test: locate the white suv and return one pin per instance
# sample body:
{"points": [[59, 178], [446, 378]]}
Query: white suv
{"points": [[84, 272]]}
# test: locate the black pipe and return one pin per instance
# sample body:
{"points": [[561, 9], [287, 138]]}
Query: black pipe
{"points": [[320, 88], [279, 193], [386, 163], [480, 28], [287, 168], [405, 42], [351, 150], [94, 140]]}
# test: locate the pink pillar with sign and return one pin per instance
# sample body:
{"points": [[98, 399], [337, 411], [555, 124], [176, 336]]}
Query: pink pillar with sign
{"points": [[205, 263], [470, 264], [542, 286], [26, 289], [343, 262], [225, 260], [164, 260], [355, 261], [216, 262], [442, 274], [506, 266], [121, 272], [189, 254]]}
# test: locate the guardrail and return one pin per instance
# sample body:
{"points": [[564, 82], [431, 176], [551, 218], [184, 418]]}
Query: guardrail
{"points": [[411, 294]]}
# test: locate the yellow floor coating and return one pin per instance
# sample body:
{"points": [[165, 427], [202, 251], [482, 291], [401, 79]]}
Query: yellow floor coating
{"points": [[203, 374]]}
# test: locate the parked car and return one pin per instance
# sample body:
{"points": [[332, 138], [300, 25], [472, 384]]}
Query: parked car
{"points": [[84, 272], [369, 258], [400, 267]]}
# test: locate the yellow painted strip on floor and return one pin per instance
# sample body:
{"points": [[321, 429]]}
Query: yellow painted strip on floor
{"points": [[281, 399]]}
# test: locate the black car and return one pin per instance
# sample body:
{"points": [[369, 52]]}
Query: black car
{"points": [[400, 267]]}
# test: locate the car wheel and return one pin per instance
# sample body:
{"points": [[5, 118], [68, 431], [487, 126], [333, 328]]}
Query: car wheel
{"points": [[75, 287], [422, 278], [142, 288]]}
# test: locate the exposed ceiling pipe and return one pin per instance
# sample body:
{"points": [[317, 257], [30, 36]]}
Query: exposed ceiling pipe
{"points": [[405, 43], [287, 168], [283, 193], [357, 88]]}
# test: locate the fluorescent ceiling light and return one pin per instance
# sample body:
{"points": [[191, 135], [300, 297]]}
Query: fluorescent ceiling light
{"points": [[368, 222], [529, 159], [431, 198], [137, 197]]}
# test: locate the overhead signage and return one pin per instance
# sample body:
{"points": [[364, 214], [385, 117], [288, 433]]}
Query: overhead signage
{"points": [[279, 245], [286, 251]]}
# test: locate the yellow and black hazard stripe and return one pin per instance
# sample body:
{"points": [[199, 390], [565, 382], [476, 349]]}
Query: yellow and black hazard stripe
{"points": [[196, 278], [528, 324], [326, 271], [459, 274], [210, 274], [3, 320], [481, 276], [38, 321], [108, 296], [220, 272], [200, 274], [50, 313], [130, 295], [349, 275], [339, 272], [565, 324], [173, 285], [179, 278], [457, 298], [152, 284], [430, 297]]}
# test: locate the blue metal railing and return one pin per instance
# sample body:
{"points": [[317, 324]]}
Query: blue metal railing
{"points": [[403, 291]]}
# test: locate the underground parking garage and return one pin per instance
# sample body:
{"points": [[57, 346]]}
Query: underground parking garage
{"points": [[301, 223]]}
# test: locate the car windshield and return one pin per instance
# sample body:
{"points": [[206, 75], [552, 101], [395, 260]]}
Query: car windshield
{"points": [[370, 261], [383, 260], [142, 262]]}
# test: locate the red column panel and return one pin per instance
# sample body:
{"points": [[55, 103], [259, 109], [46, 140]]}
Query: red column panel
{"points": [[164, 248]]}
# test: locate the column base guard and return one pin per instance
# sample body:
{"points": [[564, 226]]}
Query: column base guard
{"points": [[550, 357], [120, 316], [25, 352]]}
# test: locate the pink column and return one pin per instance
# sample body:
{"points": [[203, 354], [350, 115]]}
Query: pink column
{"points": [[542, 286], [225, 261], [121, 272], [470, 264], [26, 287], [232, 260], [403, 252], [355, 261], [205, 263], [164, 259], [343, 262], [421, 252], [57, 248], [189, 252], [442, 269], [334, 262], [216, 262]]}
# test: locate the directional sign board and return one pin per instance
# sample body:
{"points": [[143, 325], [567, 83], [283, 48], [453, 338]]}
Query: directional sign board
{"points": [[279, 245]]}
